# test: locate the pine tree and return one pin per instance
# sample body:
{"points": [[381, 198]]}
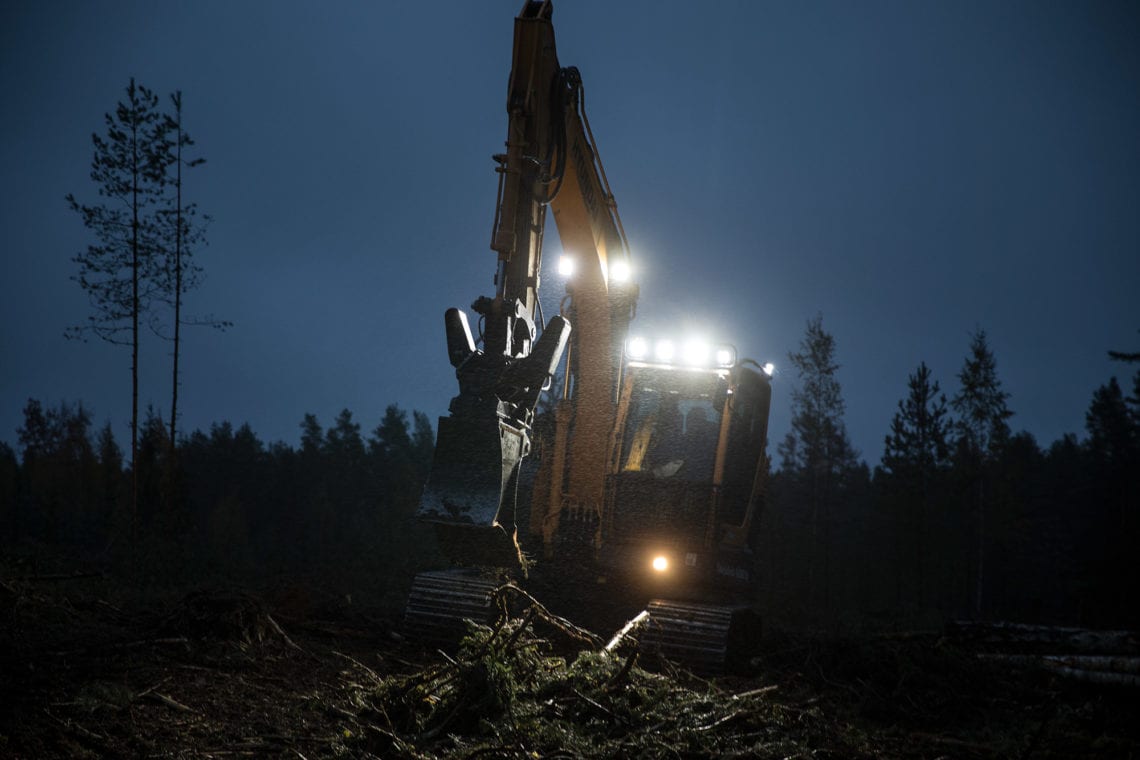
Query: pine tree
{"points": [[58, 466], [119, 271], [919, 443], [1133, 402], [109, 481], [915, 455], [312, 437], [182, 231], [982, 430], [981, 403], [817, 454], [1112, 432], [1114, 460], [423, 444], [9, 490]]}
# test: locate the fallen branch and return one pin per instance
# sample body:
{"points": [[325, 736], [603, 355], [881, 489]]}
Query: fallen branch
{"points": [[56, 577], [950, 741], [170, 702], [561, 623], [371, 673], [622, 674], [637, 620], [277, 629], [598, 706], [755, 692], [80, 730], [721, 721], [113, 647], [150, 689]]}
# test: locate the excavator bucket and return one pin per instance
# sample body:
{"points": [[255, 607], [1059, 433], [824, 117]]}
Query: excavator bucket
{"points": [[470, 493], [475, 461]]}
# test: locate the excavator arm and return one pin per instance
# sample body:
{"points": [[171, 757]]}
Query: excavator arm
{"points": [[550, 160]]}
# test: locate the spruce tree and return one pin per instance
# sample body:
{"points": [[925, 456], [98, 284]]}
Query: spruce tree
{"points": [[981, 403], [919, 442], [982, 430], [915, 455], [1113, 448], [817, 454]]}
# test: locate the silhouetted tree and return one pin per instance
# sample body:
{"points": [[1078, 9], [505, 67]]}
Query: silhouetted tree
{"points": [[1133, 402], [817, 454], [160, 520], [118, 272], [981, 430], [423, 444], [9, 493], [1112, 435], [110, 484], [915, 457], [1016, 501], [183, 230], [350, 491], [391, 446], [58, 471], [1114, 448]]}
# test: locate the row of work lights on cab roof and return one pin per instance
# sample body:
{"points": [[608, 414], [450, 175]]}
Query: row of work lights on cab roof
{"points": [[694, 353]]}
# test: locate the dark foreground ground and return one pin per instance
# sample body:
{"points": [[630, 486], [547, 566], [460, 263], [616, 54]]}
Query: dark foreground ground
{"points": [[88, 671]]}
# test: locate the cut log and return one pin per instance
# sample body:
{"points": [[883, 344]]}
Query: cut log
{"points": [[1117, 671], [1040, 639]]}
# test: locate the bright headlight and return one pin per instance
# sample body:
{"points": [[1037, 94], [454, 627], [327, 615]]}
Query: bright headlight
{"points": [[695, 353], [620, 271], [664, 351], [725, 356], [637, 348]]}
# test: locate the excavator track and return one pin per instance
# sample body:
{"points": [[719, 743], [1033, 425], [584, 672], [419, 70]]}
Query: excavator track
{"points": [[440, 602], [698, 636]]}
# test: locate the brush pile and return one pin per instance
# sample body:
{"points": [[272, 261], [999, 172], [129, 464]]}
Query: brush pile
{"points": [[510, 693]]}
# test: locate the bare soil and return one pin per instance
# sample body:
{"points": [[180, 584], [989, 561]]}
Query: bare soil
{"points": [[90, 671]]}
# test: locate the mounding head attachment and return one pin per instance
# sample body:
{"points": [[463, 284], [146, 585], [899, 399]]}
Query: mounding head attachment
{"points": [[470, 493]]}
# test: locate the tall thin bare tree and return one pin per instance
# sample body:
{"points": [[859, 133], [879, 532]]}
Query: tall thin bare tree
{"points": [[118, 271]]}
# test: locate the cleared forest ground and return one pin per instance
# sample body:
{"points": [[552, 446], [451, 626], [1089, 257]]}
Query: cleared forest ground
{"points": [[86, 670]]}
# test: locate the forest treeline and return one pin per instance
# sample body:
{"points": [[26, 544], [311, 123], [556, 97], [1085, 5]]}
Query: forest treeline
{"points": [[223, 506], [964, 518], [941, 529]]}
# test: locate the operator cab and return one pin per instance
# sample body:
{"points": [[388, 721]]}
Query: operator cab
{"points": [[683, 484]]}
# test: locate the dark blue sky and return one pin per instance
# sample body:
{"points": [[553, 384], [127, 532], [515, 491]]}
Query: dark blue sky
{"points": [[912, 171]]}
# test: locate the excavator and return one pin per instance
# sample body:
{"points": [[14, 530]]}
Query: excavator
{"points": [[607, 465]]}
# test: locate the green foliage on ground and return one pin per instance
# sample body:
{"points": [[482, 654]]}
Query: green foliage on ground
{"points": [[509, 692]]}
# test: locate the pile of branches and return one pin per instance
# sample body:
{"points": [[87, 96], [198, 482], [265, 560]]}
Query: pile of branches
{"points": [[512, 693]]}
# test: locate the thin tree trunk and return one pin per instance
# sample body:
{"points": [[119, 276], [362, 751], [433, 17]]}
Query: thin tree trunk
{"points": [[922, 510], [979, 579], [134, 331], [177, 273]]}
